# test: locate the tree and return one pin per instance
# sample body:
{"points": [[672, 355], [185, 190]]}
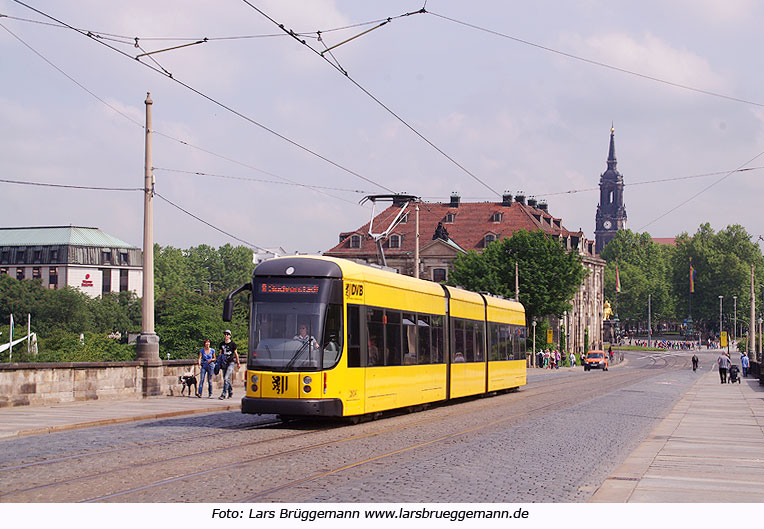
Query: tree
{"points": [[644, 268], [722, 263], [170, 270], [549, 275]]}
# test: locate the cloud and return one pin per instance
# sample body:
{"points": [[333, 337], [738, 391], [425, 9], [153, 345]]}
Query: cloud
{"points": [[650, 56]]}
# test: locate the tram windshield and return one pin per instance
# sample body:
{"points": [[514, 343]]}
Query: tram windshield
{"points": [[295, 336]]}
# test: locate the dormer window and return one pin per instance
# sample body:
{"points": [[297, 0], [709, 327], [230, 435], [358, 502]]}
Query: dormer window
{"points": [[355, 241], [450, 218], [404, 219], [488, 239], [496, 217], [395, 241]]}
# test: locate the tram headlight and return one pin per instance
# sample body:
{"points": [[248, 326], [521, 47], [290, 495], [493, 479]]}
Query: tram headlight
{"points": [[306, 380], [306, 389], [254, 379], [254, 388]]}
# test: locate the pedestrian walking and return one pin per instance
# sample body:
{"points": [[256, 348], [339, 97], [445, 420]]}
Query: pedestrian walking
{"points": [[230, 355], [694, 362], [724, 364], [745, 363], [206, 363], [572, 359]]}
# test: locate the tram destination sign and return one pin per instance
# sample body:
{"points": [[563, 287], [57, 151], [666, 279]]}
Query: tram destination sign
{"points": [[289, 288]]}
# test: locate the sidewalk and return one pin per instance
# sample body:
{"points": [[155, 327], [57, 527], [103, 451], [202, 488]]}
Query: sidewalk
{"points": [[31, 420], [710, 448]]}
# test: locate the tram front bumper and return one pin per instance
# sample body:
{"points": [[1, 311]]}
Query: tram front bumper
{"points": [[300, 407]]}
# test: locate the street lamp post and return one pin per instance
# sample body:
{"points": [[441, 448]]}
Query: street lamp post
{"points": [[734, 327], [720, 317], [534, 340]]}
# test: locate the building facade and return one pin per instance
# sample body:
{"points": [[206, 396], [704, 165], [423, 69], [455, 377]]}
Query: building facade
{"points": [[84, 258], [450, 229], [611, 212]]}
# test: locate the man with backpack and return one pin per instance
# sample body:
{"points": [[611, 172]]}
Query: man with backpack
{"points": [[228, 354]]}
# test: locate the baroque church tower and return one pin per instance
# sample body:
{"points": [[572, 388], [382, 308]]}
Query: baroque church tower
{"points": [[611, 213]]}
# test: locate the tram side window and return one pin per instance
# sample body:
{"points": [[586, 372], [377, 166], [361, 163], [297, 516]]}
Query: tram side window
{"points": [[479, 341], [438, 346], [332, 338], [425, 339], [376, 337], [409, 339], [393, 334], [354, 336], [493, 344], [469, 341], [458, 352], [520, 337]]}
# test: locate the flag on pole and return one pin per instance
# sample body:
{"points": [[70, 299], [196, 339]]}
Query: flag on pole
{"points": [[617, 280], [692, 279]]}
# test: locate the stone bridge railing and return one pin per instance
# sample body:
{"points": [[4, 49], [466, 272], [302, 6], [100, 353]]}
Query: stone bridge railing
{"points": [[39, 384]]}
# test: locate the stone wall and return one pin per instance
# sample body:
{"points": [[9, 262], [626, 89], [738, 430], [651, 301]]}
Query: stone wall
{"points": [[38, 384]]}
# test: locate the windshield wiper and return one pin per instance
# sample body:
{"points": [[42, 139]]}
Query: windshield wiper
{"points": [[296, 355]]}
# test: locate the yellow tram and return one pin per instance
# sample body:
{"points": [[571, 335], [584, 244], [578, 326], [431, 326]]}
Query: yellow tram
{"points": [[330, 337]]}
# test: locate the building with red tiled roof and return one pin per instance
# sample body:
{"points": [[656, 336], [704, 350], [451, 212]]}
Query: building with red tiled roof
{"points": [[450, 229], [668, 241]]}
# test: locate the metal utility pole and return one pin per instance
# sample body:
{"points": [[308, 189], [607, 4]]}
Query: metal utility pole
{"points": [[517, 282], [720, 316], [752, 325], [734, 325], [416, 241], [649, 321], [147, 344]]}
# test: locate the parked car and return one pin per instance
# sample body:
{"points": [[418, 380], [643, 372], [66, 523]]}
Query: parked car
{"points": [[596, 360]]}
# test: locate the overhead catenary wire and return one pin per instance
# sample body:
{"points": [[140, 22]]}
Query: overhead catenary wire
{"points": [[372, 96], [693, 197], [262, 181], [159, 133], [215, 101], [173, 204], [68, 186], [597, 63]]}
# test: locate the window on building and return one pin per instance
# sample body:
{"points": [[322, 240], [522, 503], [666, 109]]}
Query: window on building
{"points": [[355, 241], [54, 256], [496, 217], [123, 259], [395, 241], [106, 257], [106, 288], [4, 256], [404, 219], [488, 239], [36, 273], [3, 271], [53, 278], [19, 274], [450, 218], [21, 256], [438, 275], [123, 280], [37, 254]]}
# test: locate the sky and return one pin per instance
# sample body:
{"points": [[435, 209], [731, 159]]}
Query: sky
{"points": [[475, 97]]}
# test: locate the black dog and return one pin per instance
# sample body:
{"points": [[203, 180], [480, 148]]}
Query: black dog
{"points": [[186, 381]]}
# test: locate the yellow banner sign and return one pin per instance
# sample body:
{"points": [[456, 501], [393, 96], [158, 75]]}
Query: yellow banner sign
{"points": [[724, 339], [549, 336]]}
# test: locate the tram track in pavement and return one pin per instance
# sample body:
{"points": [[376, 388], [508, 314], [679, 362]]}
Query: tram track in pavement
{"points": [[188, 438], [378, 428]]}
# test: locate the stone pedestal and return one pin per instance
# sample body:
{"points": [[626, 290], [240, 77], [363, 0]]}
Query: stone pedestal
{"points": [[147, 352]]}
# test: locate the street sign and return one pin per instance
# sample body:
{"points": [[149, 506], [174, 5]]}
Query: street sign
{"points": [[549, 336], [723, 343]]}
